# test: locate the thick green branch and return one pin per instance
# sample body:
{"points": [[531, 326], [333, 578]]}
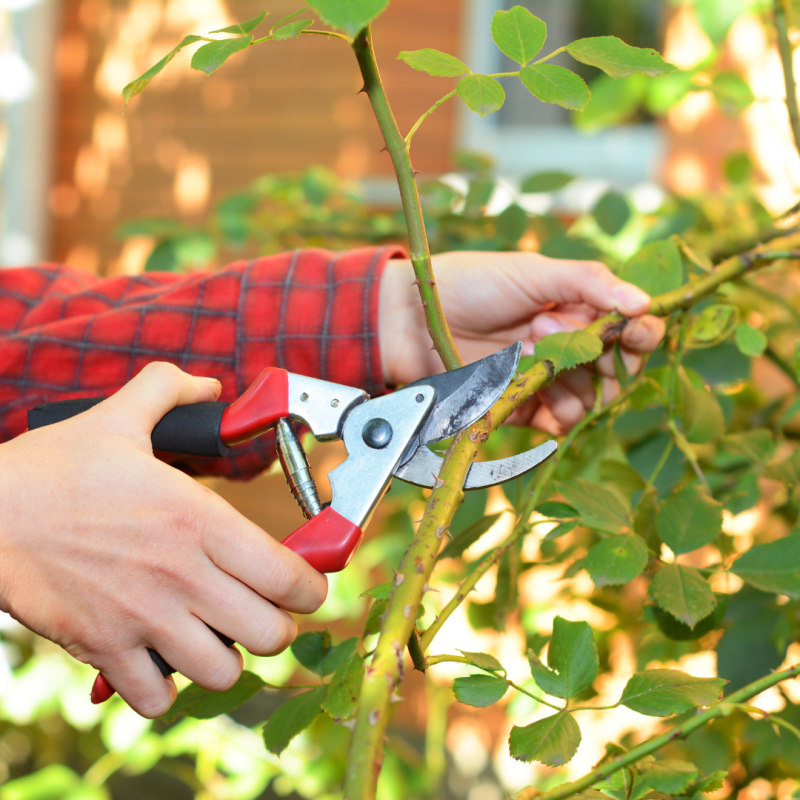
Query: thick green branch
{"points": [[786, 53], [417, 237], [386, 671], [679, 732]]}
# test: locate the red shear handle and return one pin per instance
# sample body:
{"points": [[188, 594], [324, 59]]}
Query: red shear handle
{"points": [[259, 408], [327, 542]]}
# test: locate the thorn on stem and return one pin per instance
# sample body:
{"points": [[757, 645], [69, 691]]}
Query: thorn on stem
{"points": [[395, 698], [428, 588], [431, 283], [415, 172], [384, 149], [362, 90], [373, 717], [437, 481], [407, 611], [416, 282], [441, 530], [398, 578]]}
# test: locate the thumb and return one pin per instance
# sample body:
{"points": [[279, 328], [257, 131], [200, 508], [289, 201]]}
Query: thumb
{"points": [[155, 391]]}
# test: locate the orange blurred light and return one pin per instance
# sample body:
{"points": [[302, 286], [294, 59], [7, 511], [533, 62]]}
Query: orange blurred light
{"points": [[687, 174], [686, 42], [110, 135], [91, 171], [64, 200], [192, 185], [72, 52], [83, 256], [353, 158]]}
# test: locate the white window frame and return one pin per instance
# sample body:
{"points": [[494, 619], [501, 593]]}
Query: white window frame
{"points": [[624, 156], [26, 171]]}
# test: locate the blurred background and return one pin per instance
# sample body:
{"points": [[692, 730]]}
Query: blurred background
{"points": [[277, 151]]}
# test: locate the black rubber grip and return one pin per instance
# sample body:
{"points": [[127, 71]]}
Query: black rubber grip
{"points": [[165, 669], [192, 430]]}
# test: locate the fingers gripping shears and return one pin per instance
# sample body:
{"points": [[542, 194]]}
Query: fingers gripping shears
{"points": [[385, 437]]}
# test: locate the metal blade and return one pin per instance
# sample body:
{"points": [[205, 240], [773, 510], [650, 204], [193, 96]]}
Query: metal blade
{"points": [[423, 468], [466, 394]]}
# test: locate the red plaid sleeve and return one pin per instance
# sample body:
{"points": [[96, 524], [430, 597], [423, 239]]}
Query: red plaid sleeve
{"points": [[65, 333]]}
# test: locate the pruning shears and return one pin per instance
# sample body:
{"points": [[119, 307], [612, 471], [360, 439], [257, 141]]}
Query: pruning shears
{"points": [[385, 437]]}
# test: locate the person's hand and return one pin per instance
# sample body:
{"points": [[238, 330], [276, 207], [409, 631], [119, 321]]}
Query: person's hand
{"points": [[108, 551], [492, 300]]}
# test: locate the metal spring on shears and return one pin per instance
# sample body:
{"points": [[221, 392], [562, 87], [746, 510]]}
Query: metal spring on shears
{"points": [[296, 469]]}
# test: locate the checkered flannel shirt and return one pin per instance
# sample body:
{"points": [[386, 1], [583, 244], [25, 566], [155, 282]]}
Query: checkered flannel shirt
{"points": [[65, 333]]}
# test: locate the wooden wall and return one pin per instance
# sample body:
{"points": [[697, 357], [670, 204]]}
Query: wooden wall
{"points": [[190, 139]]}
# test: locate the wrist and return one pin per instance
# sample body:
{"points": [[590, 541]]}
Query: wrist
{"points": [[402, 331]]}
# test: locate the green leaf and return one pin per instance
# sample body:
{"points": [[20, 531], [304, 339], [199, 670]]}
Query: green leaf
{"points": [[484, 661], [561, 530], [751, 342], [349, 15], [135, 87], [545, 182], [479, 690], [482, 94], [612, 213], [663, 692], [618, 59], [684, 593], [656, 268], [343, 690], [512, 223], [620, 369], [434, 62], [599, 508], [569, 349], [732, 92], [787, 471], [618, 559], [212, 56], [552, 741], [375, 617], [552, 84], [292, 30], [755, 445], [553, 509], [338, 655], [518, 33], [772, 567], [468, 536], [689, 520], [669, 776], [715, 324], [711, 783], [379, 592], [703, 420], [243, 28], [291, 718], [314, 651], [572, 662], [679, 632], [194, 701], [311, 648]]}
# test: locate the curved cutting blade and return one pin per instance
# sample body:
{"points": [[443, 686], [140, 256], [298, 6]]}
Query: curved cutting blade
{"points": [[423, 468], [466, 394]]}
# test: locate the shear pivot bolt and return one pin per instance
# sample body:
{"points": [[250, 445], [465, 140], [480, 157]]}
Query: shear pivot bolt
{"points": [[377, 433]]}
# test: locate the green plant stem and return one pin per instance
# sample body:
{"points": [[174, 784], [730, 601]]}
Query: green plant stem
{"points": [[412, 208], [786, 54], [522, 526], [679, 732], [385, 673], [779, 721], [662, 462], [410, 134]]}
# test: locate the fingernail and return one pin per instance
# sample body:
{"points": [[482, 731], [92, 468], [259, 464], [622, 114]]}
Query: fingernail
{"points": [[547, 326], [631, 299], [634, 334]]}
